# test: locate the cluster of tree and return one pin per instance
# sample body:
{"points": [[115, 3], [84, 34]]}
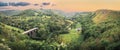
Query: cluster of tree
{"points": [[49, 27], [100, 36], [94, 36]]}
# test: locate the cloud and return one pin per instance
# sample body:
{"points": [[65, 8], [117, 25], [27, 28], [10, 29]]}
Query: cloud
{"points": [[46, 3], [19, 4], [3, 4], [36, 4], [14, 4]]}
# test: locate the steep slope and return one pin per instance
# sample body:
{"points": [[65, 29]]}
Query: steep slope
{"points": [[11, 28], [106, 15], [6, 32], [101, 31]]}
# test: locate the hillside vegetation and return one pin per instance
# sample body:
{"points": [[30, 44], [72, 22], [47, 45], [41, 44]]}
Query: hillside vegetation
{"points": [[106, 15], [99, 30], [103, 32]]}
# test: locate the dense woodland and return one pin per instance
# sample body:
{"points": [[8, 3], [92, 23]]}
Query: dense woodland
{"points": [[99, 30]]}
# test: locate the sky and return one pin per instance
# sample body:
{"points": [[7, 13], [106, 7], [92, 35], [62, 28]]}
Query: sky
{"points": [[64, 5]]}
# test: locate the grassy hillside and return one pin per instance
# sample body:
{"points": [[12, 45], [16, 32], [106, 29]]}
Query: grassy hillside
{"points": [[106, 15], [99, 30], [103, 32], [6, 31], [68, 38], [49, 28]]}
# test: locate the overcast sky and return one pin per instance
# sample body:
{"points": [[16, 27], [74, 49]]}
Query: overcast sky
{"points": [[65, 5]]}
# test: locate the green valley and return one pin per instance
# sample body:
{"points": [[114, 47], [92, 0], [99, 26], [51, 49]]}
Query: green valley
{"points": [[56, 30]]}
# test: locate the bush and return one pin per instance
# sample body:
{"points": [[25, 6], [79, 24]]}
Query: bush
{"points": [[4, 47]]}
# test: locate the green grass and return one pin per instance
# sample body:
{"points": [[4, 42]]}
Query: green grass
{"points": [[70, 37], [14, 28], [10, 28], [108, 15], [78, 25], [8, 31]]}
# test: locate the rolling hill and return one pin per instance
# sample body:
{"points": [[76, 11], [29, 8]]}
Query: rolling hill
{"points": [[10, 12], [100, 30], [10, 34], [106, 15]]}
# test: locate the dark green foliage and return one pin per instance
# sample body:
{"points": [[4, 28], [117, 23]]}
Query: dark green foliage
{"points": [[100, 36], [104, 35]]}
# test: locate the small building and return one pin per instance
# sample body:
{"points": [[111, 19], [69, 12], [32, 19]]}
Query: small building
{"points": [[78, 29]]}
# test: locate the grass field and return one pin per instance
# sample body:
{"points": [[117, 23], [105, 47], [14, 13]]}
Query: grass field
{"points": [[70, 37]]}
